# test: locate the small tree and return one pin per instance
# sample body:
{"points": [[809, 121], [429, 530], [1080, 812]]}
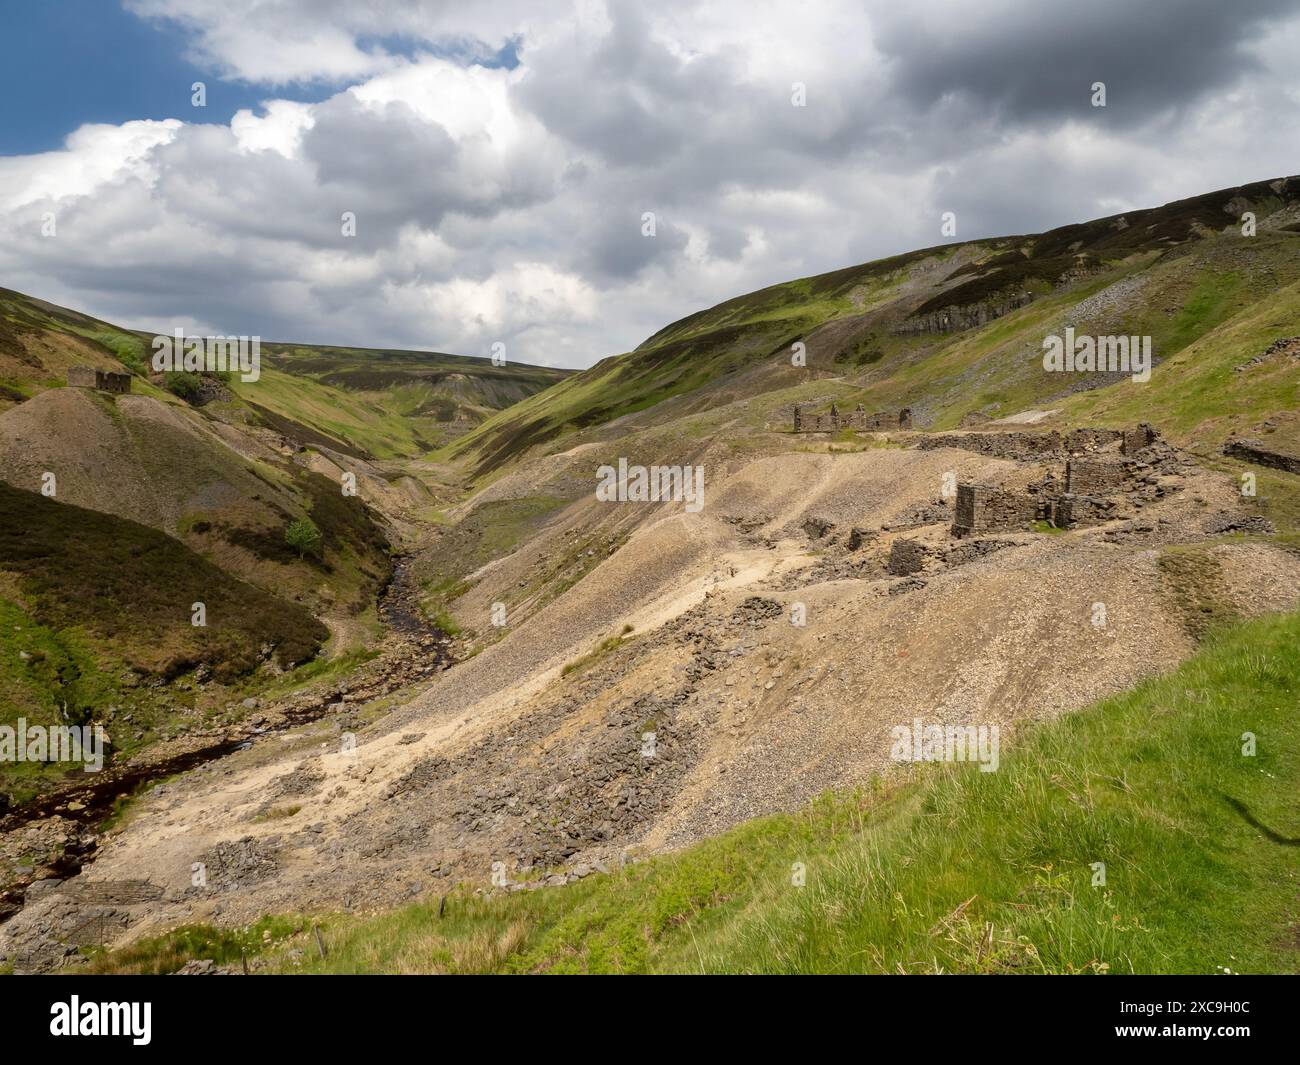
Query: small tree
{"points": [[303, 536]]}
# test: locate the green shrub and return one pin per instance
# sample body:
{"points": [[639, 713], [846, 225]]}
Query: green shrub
{"points": [[303, 536], [183, 384]]}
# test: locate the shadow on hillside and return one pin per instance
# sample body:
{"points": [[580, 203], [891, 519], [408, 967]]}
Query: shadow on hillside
{"points": [[1254, 822]]}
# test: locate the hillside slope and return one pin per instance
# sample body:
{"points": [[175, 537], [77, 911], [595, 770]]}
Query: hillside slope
{"points": [[370, 402], [947, 331], [944, 870]]}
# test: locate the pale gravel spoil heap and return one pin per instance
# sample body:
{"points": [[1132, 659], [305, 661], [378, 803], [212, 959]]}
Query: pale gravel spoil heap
{"points": [[503, 759]]}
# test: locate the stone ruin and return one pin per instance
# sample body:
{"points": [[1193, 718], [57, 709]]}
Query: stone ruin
{"points": [[986, 508], [906, 557], [1095, 487], [1094, 477], [858, 419], [100, 380], [1100, 465], [1110, 476]]}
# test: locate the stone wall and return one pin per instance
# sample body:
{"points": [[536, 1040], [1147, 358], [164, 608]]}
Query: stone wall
{"points": [[984, 508], [1011, 445], [1138, 438], [1255, 451], [1072, 510], [103, 380], [1102, 481], [906, 557], [1016, 444], [883, 420], [1094, 477]]}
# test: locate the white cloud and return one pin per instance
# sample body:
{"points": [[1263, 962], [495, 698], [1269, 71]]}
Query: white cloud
{"points": [[497, 204], [279, 130], [92, 156]]}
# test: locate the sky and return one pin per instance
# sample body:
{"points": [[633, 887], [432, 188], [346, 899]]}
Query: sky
{"points": [[565, 178]]}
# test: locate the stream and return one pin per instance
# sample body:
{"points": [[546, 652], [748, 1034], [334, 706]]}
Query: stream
{"points": [[88, 803]]}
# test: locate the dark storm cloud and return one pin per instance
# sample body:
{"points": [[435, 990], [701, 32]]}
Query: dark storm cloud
{"points": [[621, 248], [1035, 63]]}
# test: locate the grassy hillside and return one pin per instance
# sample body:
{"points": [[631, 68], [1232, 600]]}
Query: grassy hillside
{"points": [[95, 608], [130, 590], [950, 870], [374, 402], [1210, 385], [432, 395], [1176, 273], [165, 465], [686, 357]]}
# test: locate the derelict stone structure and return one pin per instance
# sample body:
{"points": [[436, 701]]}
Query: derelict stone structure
{"points": [[1107, 472], [883, 420], [1075, 510], [859, 419], [906, 557], [985, 508], [1138, 438], [100, 380], [1026, 445], [1255, 451]]}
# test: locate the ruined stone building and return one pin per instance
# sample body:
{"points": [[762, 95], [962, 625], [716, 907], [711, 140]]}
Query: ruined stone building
{"points": [[986, 508], [858, 419], [1098, 484], [100, 380]]}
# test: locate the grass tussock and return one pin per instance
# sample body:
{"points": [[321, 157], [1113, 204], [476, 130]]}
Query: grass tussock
{"points": [[603, 648]]}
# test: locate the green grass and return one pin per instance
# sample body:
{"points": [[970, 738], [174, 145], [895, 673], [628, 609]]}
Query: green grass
{"points": [[385, 404], [165, 954], [1198, 391], [490, 531], [317, 670], [951, 869], [93, 578], [603, 648]]}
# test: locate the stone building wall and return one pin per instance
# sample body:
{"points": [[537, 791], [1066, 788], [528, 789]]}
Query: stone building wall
{"points": [[1255, 451], [998, 445], [1139, 437], [906, 557], [1071, 510], [1094, 477], [835, 420], [102, 380], [1027, 445], [984, 508], [1077, 440]]}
